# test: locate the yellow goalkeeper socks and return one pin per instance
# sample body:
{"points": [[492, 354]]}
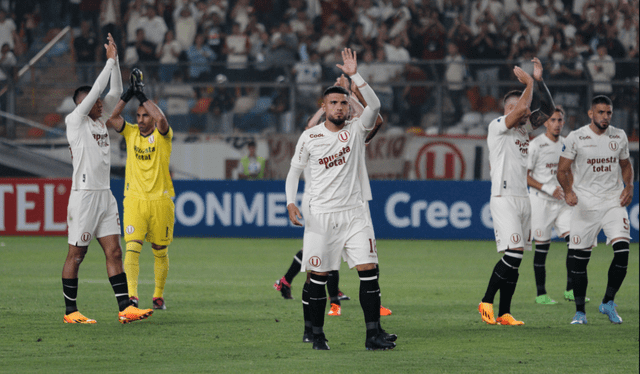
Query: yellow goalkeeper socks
{"points": [[160, 269], [132, 266]]}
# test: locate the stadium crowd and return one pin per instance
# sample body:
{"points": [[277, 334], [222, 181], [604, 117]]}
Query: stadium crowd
{"points": [[468, 45]]}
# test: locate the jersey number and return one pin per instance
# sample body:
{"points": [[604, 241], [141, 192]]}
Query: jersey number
{"points": [[625, 223], [372, 245]]}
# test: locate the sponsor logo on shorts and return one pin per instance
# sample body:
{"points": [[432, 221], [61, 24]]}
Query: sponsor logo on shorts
{"points": [[613, 146], [85, 237], [515, 238], [315, 261], [130, 229], [575, 239], [343, 135]]}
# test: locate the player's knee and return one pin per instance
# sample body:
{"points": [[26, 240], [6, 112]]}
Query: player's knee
{"points": [[160, 251], [621, 253], [364, 267]]}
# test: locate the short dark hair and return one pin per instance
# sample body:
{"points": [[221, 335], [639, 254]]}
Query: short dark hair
{"points": [[335, 89], [79, 91], [511, 94], [559, 110], [600, 99], [251, 143]]}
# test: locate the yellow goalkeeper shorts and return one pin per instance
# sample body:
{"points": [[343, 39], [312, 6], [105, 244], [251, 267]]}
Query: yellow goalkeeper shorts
{"points": [[150, 219]]}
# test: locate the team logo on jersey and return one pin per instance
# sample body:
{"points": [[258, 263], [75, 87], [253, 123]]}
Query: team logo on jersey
{"points": [[85, 237], [344, 135], [315, 261], [130, 229], [515, 238], [613, 146], [575, 239], [152, 139]]}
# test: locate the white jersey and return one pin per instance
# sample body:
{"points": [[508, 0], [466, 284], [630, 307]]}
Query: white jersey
{"points": [[508, 158], [89, 141], [335, 162], [544, 154], [597, 177]]}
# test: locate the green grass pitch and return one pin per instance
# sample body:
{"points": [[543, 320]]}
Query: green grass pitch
{"points": [[224, 316]]}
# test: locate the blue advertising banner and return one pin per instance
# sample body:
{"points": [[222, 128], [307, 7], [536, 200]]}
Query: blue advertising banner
{"points": [[400, 209]]}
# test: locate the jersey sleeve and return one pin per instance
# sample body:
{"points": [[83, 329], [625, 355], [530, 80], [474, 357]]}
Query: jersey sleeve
{"points": [[569, 149], [533, 155], [624, 146], [301, 156], [498, 126], [100, 84]]}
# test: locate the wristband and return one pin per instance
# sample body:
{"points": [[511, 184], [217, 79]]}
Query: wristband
{"points": [[127, 95], [548, 189], [358, 80], [141, 97]]}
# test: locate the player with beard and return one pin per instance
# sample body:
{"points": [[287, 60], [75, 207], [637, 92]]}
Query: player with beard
{"points": [[338, 222], [597, 178]]}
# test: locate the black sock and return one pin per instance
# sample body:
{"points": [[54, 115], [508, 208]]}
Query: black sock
{"points": [[380, 294], [506, 292], [70, 292], [332, 286], [539, 269], [617, 270], [579, 276], [306, 312], [119, 285], [569, 264], [370, 300], [317, 302], [501, 271], [294, 269]]}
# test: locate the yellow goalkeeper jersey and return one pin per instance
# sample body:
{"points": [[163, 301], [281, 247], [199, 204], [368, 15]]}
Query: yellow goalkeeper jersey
{"points": [[147, 173]]}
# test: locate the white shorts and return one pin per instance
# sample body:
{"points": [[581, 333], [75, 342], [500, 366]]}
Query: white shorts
{"points": [[91, 214], [511, 222], [586, 225], [546, 214], [327, 235]]}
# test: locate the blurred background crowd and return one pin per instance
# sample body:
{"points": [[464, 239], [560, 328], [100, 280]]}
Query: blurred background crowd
{"points": [[256, 66]]}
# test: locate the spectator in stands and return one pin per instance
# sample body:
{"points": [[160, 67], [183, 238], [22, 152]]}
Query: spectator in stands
{"points": [[215, 32], [378, 73], [455, 74], [357, 40], [615, 48], [186, 27], [535, 21], [308, 75], [339, 8], [7, 29], [569, 67], [236, 48], [397, 15], [330, 41], [414, 96], [110, 19], [132, 19], [168, 54], [484, 46], [545, 43], [602, 70], [85, 50], [582, 48], [153, 25], [450, 12], [146, 52], [461, 35], [240, 13], [627, 33], [179, 100], [200, 56]]}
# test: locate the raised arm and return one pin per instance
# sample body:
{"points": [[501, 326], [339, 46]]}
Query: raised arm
{"points": [[521, 111], [100, 84], [350, 67], [150, 106], [115, 89], [547, 106], [356, 91]]}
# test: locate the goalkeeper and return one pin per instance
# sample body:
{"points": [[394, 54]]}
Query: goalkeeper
{"points": [[148, 207]]}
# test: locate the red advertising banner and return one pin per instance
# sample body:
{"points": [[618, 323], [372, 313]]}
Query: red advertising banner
{"points": [[32, 206]]}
